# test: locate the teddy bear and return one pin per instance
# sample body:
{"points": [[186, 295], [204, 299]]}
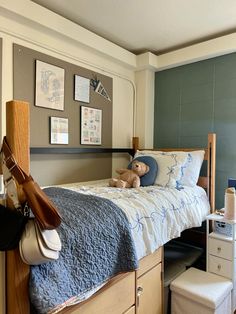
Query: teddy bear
{"points": [[129, 178]]}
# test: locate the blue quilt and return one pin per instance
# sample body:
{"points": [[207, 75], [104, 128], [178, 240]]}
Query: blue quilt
{"points": [[96, 245]]}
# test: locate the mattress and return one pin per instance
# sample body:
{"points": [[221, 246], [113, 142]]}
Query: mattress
{"points": [[155, 214]]}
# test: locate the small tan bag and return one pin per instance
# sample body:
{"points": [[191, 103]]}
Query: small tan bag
{"points": [[39, 246]]}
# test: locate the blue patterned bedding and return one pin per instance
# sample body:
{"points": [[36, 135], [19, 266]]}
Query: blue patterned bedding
{"points": [[156, 214], [96, 245], [153, 215]]}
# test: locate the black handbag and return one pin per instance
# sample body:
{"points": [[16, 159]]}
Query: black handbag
{"points": [[12, 224]]}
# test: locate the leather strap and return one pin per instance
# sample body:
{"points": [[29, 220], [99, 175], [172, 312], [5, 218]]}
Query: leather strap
{"points": [[43, 209], [10, 186], [9, 160], [12, 170]]}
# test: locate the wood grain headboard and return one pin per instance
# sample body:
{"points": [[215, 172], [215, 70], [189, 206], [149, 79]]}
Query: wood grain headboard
{"points": [[207, 181]]}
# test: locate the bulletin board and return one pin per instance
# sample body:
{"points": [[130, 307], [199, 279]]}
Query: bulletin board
{"points": [[0, 98], [82, 87], [1, 66]]}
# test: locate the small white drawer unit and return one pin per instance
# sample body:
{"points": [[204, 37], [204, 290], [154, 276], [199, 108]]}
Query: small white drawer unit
{"points": [[221, 251]]}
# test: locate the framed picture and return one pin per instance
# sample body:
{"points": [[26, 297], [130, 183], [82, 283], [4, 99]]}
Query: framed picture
{"points": [[91, 126], [59, 133], [82, 89], [49, 90]]}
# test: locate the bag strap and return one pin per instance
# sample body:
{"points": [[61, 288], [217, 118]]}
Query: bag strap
{"points": [[44, 210], [12, 165], [8, 178], [10, 187]]}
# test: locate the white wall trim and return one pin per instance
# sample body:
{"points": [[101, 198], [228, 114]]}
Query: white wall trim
{"points": [[198, 52], [147, 61], [202, 51], [39, 16]]}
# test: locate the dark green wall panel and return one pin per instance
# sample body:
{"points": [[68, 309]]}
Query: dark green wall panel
{"points": [[194, 100]]}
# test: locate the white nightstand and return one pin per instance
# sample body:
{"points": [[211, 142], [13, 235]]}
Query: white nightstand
{"points": [[221, 252]]}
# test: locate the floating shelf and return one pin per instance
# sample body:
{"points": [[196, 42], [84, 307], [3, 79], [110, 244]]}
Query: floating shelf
{"points": [[79, 150]]}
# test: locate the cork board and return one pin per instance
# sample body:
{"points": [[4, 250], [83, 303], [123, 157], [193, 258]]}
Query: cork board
{"points": [[1, 79], [60, 169], [24, 89]]}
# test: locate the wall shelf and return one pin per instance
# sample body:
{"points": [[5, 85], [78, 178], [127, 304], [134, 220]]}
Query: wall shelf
{"points": [[79, 150]]}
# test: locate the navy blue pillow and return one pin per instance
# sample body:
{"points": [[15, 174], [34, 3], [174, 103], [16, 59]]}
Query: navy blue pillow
{"points": [[150, 177]]}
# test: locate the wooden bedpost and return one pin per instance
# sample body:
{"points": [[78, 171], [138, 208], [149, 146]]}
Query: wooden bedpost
{"points": [[211, 168], [17, 273], [135, 143]]}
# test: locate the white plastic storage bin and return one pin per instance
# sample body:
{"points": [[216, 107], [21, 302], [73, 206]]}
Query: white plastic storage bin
{"points": [[223, 228], [199, 292]]}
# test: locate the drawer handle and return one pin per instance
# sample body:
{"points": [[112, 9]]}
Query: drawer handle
{"points": [[219, 249], [139, 293], [219, 267]]}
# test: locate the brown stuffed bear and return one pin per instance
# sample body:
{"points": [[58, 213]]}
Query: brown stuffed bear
{"points": [[129, 178]]}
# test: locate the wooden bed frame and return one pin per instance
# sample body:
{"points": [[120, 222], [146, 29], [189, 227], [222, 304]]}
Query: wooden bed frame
{"points": [[137, 292]]}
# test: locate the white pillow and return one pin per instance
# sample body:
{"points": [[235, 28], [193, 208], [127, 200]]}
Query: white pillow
{"points": [[170, 166], [186, 172], [192, 168]]}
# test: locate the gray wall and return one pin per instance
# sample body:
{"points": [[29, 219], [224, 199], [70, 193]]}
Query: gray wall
{"points": [[193, 100], [57, 169], [1, 71], [1, 90]]}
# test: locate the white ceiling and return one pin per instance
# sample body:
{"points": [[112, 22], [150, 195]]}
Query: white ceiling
{"points": [[150, 25]]}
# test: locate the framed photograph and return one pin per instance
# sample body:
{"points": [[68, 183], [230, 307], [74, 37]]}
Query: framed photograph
{"points": [[59, 132], [49, 90], [91, 126], [82, 89]]}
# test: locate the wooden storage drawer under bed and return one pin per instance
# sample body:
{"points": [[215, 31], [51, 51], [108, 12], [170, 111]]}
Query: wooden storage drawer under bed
{"points": [[115, 298], [131, 310], [149, 294], [121, 295], [149, 261]]}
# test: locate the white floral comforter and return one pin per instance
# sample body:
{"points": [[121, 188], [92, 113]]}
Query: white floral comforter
{"points": [[156, 214]]}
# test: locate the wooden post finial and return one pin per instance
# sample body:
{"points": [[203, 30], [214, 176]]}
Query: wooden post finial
{"points": [[135, 143]]}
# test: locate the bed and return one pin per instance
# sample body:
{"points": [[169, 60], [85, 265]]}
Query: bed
{"points": [[138, 291]]}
